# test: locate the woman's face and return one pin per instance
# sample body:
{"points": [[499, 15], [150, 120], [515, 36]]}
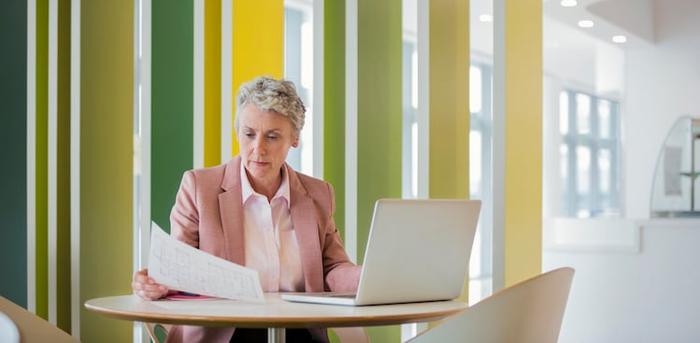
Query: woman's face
{"points": [[264, 138]]}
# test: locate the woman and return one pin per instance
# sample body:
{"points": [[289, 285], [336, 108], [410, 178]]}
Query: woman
{"points": [[257, 211]]}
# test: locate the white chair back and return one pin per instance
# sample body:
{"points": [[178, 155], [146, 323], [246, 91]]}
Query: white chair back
{"points": [[8, 330], [528, 312]]}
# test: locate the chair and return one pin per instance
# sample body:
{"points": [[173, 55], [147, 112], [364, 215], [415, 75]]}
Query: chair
{"points": [[158, 332], [528, 312], [32, 328], [8, 330]]}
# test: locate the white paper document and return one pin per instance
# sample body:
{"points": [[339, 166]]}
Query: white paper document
{"points": [[181, 267]]}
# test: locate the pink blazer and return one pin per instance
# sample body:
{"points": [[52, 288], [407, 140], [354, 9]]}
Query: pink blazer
{"points": [[208, 214]]}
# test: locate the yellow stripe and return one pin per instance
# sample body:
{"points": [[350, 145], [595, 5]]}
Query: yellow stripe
{"points": [[258, 43], [212, 82], [449, 112], [523, 174]]}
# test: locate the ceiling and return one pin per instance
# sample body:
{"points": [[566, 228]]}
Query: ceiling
{"points": [[631, 18]]}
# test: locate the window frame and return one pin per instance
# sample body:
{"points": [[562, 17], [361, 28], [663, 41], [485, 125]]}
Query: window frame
{"points": [[596, 202]]}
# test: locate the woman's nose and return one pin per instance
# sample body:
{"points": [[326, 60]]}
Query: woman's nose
{"points": [[260, 146]]}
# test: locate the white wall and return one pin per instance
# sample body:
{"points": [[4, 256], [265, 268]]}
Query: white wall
{"points": [[663, 83], [648, 294]]}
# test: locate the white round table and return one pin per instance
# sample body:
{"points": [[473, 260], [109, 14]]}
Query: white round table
{"points": [[275, 314]]}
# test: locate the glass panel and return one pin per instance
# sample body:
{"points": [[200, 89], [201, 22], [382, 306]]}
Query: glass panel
{"points": [[414, 79], [475, 89], [564, 163], [583, 213], [583, 172], [414, 159], [564, 113], [475, 162], [298, 68], [604, 119], [583, 113], [604, 163]]}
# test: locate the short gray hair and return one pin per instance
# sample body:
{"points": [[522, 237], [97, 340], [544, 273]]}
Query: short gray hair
{"points": [[269, 94]]}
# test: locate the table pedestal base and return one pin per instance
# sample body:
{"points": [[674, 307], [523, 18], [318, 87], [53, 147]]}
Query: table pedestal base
{"points": [[275, 335]]}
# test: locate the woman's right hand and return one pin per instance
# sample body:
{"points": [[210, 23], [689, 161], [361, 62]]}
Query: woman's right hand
{"points": [[147, 288]]}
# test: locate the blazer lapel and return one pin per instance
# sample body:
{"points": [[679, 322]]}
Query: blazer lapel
{"points": [[304, 218], [231, 211]]}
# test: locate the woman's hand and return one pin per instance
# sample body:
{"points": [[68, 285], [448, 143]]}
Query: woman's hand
{"points": [[146, 287]]}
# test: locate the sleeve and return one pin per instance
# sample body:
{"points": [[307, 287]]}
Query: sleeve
{"points": [[184, 217], [340, 274]]}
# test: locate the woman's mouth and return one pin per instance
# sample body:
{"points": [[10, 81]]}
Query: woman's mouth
{"points": [[260, 163]]}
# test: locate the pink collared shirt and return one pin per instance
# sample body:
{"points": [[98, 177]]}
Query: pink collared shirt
{"points": [[270, 241]]}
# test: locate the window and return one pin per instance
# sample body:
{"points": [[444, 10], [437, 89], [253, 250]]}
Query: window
{"points": [[480, 184], [298, 68], [589, 155], [480, 170]]}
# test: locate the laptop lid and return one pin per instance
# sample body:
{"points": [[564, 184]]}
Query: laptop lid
{"points": [[418, 250]]}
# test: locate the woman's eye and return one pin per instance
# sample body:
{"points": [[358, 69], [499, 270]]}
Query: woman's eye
{"points": [[250, 135], [272, 137]]}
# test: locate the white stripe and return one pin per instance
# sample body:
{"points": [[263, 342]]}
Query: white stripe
{"points": [[318, 91], [499, 143], [31, 155], [145, 219], [142, 188], [75, 167], [226, 79], [351, 128], [423, 112], [198, 134], [52, 158], [409, 331], [138, 149]]}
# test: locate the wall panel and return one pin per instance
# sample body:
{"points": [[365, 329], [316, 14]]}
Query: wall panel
{"points": [[172, 103], [106, 161], [13, 139]]}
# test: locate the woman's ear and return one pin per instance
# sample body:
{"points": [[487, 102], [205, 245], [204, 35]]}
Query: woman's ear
{"points": [[295, 140]]}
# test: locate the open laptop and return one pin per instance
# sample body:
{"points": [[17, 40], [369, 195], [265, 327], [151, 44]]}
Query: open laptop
{"points": [[418, 250]]}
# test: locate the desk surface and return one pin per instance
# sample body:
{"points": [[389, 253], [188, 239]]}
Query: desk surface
{"points": [[275, 312]]}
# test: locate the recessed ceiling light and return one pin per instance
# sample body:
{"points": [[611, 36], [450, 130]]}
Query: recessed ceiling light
{"points": [[485, 18], [585, 23], [569, 3], [619, 39]]}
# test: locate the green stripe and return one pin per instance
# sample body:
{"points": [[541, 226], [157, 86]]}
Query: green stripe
{"points": [[334, 104], [106, 155], [13, 139], [379, 119], [172, 102], [63, 275], [42, 154]]}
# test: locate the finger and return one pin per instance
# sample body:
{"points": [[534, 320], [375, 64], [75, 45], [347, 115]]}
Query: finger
{"points": [[153, 288], [153, 294], [141, 277], [147, 295]]}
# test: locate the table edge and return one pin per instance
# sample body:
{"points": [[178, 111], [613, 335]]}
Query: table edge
{"points": [[248, 322]]}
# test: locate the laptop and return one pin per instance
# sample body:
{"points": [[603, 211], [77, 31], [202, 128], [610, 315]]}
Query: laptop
{"points": [[418, 250]]}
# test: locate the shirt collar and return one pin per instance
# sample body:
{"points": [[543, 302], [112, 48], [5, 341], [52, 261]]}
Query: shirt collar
{"points": [[282, 192]]}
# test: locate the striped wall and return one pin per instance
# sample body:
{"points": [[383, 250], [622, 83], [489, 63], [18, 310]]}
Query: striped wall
{"points": [[517, 145], [523, 147], [13, 139], [334, 104], [448, 102], [41, 158], [212, 83], [378, 118], [60, 259], [171, 102], [257, 49], [106, 155], [75, 124]]}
